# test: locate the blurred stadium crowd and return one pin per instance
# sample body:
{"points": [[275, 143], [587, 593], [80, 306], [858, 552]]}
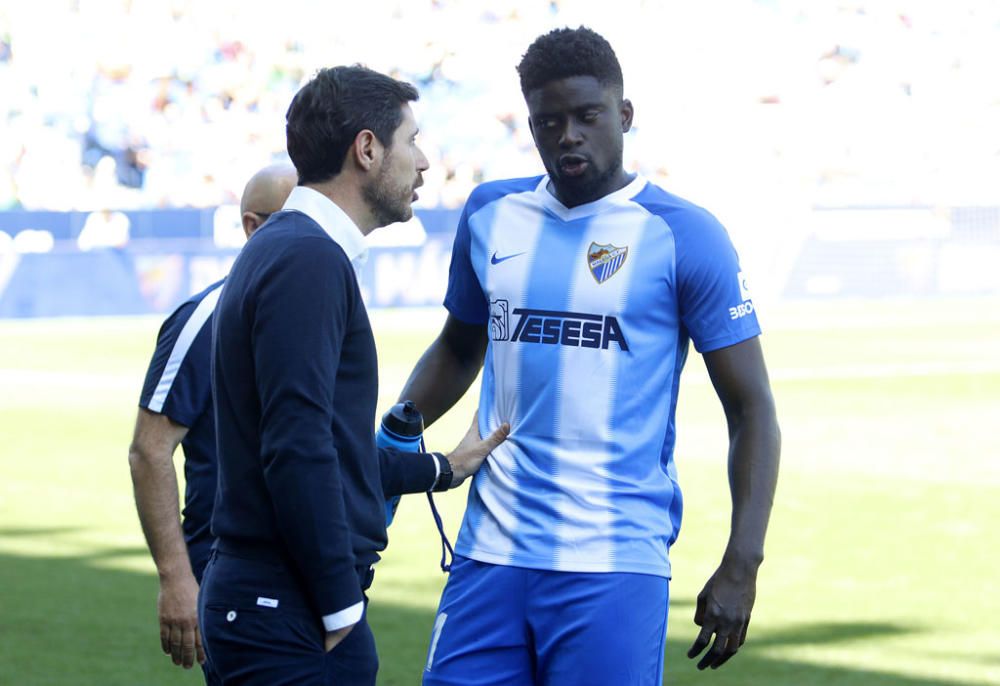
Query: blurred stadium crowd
{"points": [[172, 103]]}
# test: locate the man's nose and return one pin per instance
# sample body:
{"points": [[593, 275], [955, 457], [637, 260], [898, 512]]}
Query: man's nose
{"points": [[422, 163], [570, 136]]}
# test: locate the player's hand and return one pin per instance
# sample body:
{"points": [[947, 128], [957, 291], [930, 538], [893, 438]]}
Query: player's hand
{"points": [[470, 453], [332, 638], [723, 611], [177, 607]]}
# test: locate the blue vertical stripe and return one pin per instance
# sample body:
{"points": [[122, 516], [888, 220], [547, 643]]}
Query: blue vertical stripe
{"points": [[653, 318], [675, 508], [474, 509], [481, 228], [555, 258], [479, 241]]}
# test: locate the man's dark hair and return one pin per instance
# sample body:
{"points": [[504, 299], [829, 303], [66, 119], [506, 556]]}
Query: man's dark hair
{"points": [[562, 53], [328, 113]]}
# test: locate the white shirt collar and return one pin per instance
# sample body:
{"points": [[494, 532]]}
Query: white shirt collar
{"points": [[333, 220]]}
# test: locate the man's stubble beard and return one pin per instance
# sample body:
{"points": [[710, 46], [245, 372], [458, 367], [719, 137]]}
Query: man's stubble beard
{"points": [[388, 204], [582, 191]]}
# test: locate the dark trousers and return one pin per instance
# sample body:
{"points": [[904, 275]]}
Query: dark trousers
{"points": [[259, 630], [199, 551], [211, 678]]}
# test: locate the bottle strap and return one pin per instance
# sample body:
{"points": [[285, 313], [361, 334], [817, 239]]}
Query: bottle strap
{"points": [[446, 548]]}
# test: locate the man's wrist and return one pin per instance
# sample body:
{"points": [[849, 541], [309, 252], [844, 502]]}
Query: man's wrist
{"points": [[445, 475], [743, 561], [174, 566]]}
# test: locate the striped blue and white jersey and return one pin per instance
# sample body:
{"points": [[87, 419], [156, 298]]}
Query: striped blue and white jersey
{"points": [[179, 385], [590, 311]]}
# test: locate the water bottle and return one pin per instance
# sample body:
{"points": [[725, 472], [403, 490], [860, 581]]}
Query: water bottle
{"points": [[402, 428]]}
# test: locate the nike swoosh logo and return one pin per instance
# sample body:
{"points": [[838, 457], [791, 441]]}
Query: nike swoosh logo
{"points": [[498, 260]]}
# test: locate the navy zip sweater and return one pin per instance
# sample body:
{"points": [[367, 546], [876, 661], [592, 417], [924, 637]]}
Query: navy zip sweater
{"points": [[295, 383]]}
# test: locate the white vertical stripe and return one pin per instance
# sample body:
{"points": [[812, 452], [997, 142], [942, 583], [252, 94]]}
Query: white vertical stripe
{"points": [[438, 628], [516, 228], [191, 328]]}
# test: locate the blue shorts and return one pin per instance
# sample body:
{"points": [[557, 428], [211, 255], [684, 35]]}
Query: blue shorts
{"points": [[511, 626]]}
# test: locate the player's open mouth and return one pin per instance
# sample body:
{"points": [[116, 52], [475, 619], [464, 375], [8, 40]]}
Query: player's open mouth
{"points": [[573, 165]]}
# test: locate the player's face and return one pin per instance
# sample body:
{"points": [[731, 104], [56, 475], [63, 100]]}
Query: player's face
{"points": [[393, 190], [578, 127]]}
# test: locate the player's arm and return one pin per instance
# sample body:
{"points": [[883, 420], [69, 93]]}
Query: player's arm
{"points": [[740, 379], [154, 481], [447, 368], [440, 378], [450, 365]]}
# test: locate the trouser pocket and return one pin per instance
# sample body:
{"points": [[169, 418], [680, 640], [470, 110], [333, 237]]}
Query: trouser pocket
{"points": [[263, 645]]}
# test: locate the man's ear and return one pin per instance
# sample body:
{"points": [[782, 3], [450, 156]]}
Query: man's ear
{"points": [[627, 112], [366, 151], [251, 222]]}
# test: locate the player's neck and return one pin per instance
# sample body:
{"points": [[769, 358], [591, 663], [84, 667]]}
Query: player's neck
{"points": [[569, 199]]}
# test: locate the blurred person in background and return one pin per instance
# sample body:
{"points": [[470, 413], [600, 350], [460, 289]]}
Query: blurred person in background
{"points": [[300, 504], [581, 289], [104, 229], [175, 408]]}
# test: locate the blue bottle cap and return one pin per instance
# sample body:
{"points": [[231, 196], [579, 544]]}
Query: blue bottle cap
{"points": [[403, 419]]}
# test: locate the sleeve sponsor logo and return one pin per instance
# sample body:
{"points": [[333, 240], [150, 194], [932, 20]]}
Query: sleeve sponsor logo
{"points": [[741, 310], [744, 287], [745, 307]]}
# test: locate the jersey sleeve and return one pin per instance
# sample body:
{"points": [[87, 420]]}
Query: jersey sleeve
{"points": [[465, 298], [713, 298], [178, 382]]}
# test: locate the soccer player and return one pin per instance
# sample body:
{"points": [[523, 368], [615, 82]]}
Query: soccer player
{"points": [[175, 408], [581, 289], [299, 511]]}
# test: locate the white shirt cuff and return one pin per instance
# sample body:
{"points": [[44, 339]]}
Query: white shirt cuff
{"points": [[338, 620], [437, 471]]}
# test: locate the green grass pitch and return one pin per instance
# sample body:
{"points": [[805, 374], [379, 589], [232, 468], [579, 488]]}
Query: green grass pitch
{"points": [[882, 559]]}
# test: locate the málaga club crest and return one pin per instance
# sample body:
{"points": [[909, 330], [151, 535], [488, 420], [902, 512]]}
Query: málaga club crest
{"points": [[605, 260]]}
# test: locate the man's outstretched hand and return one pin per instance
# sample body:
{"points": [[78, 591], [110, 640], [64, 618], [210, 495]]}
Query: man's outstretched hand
{"points": [[472, 451]]}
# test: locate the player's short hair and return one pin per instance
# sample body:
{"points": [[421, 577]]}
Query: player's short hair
{"points": [[328, 113], [563, 53]]}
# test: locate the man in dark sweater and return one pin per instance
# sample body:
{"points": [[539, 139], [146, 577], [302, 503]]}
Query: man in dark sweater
{"points": [[299, 511]]}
